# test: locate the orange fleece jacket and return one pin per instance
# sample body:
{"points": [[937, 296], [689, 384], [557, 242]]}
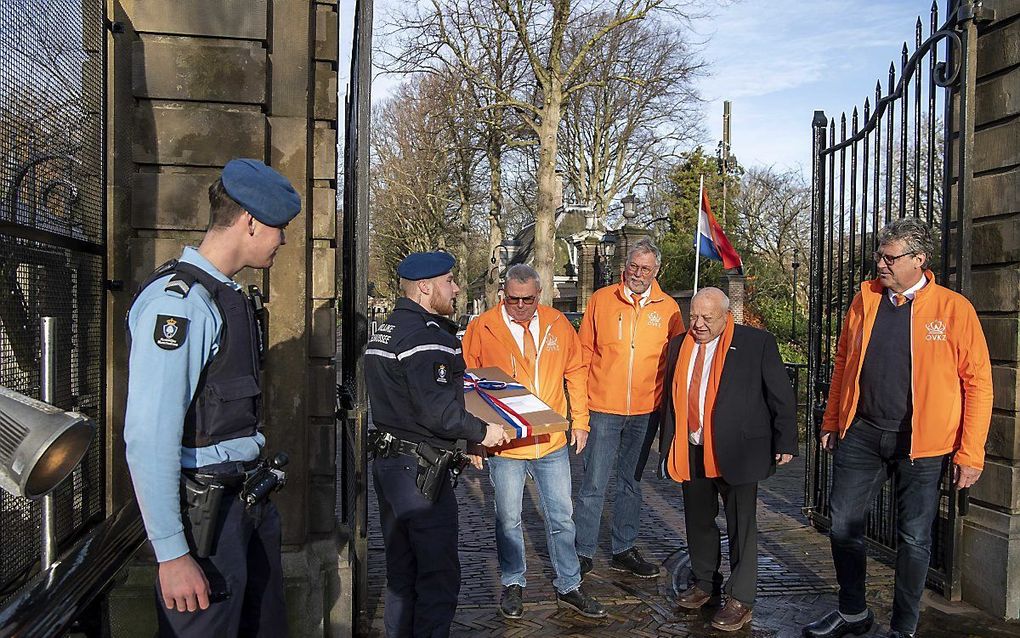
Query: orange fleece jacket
{"points": [[950, 369], [488, 343], [625, 349]]}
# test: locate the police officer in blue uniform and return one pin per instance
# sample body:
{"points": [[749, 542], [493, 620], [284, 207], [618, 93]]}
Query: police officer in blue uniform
{"points": [[193, 422], [414, 373]]}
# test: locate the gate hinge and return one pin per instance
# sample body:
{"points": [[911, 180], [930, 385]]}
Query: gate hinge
{"points": [[975, 11], [114, 27]]}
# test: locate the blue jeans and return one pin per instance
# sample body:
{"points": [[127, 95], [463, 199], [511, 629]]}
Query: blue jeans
{"points": [[615, 441], [551, 474], [864, 459]]}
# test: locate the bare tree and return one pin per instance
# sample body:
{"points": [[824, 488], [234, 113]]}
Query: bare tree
{"points": [[412, 198], [639, 105], [557, 38], [773, 211]]}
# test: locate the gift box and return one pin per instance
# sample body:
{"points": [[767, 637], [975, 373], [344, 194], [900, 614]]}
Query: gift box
{"points": [[495, 397]]}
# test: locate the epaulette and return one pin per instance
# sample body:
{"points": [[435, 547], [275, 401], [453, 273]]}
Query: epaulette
{"points": [[180, 284]]}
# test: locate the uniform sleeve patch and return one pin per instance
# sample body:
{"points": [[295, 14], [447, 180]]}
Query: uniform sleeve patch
{"points": [[442, 373], [170, 332]]}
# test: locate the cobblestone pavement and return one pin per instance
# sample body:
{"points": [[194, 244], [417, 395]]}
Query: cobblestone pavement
{"points": [[796, 582]]}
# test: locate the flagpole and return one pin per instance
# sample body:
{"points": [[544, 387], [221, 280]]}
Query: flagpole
{"points": [[697, 235]]}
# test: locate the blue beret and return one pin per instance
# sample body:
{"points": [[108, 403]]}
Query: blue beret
{"points": [[261, 191], [425, 265]]}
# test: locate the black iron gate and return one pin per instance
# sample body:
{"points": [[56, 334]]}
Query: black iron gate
{"points": [[52, 242], [352, 261], [906, 154]]}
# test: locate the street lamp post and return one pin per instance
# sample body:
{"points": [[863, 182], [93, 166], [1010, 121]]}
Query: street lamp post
{"points": [[501, 256], [793, 316], [606, 250]]}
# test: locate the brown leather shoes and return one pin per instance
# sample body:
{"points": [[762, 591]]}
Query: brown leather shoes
{"points": [[732, 616], [693, 598]]}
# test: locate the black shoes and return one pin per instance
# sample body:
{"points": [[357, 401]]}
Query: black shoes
{"points": [[834, 626], [582, 603], [587, 564], [511, 603], [631, 561]]}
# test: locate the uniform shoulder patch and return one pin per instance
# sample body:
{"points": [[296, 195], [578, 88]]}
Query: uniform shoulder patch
{"points": [[170, 331], [442, 372]]}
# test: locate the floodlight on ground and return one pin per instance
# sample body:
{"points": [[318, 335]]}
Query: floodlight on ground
{"points": [[39, 444]]}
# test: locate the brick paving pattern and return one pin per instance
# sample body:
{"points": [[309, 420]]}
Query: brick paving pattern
{"points": [[796, 582]]}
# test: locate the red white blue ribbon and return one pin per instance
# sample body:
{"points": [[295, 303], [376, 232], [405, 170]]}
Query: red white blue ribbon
{"points": [[473, 383]]}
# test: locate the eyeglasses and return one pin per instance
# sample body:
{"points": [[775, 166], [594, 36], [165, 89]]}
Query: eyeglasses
{"points": [[524, 301], [889, 260], [639, 270]]}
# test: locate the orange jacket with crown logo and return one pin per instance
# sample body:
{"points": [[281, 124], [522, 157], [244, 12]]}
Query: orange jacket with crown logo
{"points": [[625, 348], [951, 375], [487, 343]]}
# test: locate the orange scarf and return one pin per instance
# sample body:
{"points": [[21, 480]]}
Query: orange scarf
{"points": [[678, 464]]}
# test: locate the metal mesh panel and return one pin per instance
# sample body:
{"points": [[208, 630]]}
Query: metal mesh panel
{"points": [[52, 231]]}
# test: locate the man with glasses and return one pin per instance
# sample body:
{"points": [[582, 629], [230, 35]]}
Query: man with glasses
{"points": [[624, 334], [538, 347], [911, 393]]}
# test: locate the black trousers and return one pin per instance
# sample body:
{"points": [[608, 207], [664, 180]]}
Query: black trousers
{"points": [[701, 506], [422, 564], [245, 575]]}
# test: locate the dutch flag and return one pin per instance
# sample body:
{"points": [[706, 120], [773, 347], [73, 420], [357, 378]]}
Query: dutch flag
{"points": [[711, 240]]}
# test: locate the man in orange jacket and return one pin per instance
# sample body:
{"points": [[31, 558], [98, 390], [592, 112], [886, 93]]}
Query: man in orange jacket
{"points": [[911, 392], [624, 334], [538, 347]]}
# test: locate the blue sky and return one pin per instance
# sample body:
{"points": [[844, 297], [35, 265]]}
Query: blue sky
{"points": [[777, 61]]}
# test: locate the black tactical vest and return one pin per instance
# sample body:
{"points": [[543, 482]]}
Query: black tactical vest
{"points": [[228, 402]]}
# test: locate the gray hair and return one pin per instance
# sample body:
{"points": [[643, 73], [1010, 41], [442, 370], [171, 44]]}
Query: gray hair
{"points": [[914, 233], [712, 292], [645, 245], [523, 273]]}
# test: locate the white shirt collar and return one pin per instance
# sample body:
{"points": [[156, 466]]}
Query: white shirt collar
{"points": [[644, 296], [909, 293], [510, 321]]}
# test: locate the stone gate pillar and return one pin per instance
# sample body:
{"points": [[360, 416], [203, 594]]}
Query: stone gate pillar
{"points": [[733, 286], [990, 559], [193, 84]]}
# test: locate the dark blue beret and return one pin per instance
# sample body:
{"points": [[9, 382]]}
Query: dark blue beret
{"points": [[261, 191], [425, 265]]}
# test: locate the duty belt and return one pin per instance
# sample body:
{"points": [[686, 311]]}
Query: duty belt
{"points": [[384, 444], [433, 463], [231, 476]]}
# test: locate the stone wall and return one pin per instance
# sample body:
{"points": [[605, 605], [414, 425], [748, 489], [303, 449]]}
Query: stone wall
{"points": [[194, 83], [991, 532]]}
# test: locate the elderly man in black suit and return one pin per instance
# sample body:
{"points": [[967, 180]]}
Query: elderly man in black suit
{"points": [[728, 419]]}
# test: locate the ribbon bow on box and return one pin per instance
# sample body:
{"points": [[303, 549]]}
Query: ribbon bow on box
{"points": [[473, 383]]}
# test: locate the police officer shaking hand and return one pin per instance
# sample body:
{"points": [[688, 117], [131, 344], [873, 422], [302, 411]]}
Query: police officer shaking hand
{"points": [[414, 373], [193, 422]]}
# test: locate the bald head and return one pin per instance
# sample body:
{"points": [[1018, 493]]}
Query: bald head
{"points": [[709, 309]]}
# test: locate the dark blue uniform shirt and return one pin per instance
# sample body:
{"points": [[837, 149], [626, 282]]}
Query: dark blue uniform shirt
{"points": [[414, 372]]}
